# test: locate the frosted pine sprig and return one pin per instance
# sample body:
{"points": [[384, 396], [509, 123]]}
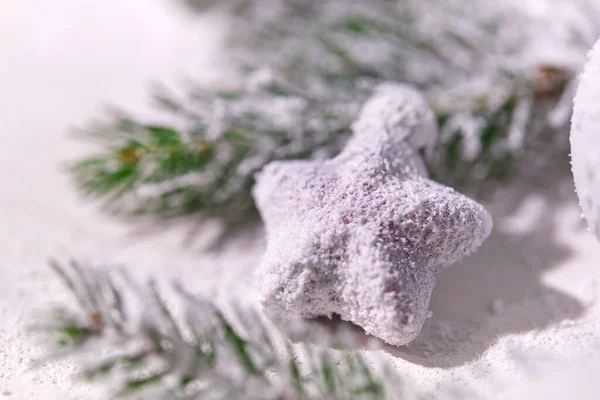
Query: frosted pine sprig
{"points": [[302, 70], [130, 337]]}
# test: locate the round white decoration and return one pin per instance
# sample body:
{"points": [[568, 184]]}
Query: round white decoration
{"points": [[585, 141]]}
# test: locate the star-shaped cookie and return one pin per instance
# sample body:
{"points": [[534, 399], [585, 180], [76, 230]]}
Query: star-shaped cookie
{"points": [[364, 234]]}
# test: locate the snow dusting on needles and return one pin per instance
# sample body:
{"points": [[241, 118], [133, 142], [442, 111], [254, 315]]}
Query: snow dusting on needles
{"points": [[363, 235]]}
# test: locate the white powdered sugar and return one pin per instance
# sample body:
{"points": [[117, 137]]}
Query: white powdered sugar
{"points": [[585, 141], [363, 235]]}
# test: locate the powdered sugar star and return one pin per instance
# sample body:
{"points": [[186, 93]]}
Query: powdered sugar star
{"points": [[364, 234]]}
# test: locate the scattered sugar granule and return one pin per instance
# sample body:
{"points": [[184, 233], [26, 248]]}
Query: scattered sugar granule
{"points": [[585, 141], [364, 234]]}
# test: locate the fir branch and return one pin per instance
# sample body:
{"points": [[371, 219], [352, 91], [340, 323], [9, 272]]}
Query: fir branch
{"points": [[124, 333], [305, 67], [158, 169]]}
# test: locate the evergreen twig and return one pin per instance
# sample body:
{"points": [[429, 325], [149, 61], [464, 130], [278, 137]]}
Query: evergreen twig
{"points": [[190, 348], [305, 67]]}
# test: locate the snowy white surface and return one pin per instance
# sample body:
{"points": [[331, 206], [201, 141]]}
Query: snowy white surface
{"points": [[509, 322]]}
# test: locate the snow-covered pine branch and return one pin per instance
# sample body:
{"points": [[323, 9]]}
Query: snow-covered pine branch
{"points": [[498, 75], [156, 342]]}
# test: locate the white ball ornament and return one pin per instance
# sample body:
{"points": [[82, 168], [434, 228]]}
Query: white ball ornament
{"points": [[585, 141]]}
